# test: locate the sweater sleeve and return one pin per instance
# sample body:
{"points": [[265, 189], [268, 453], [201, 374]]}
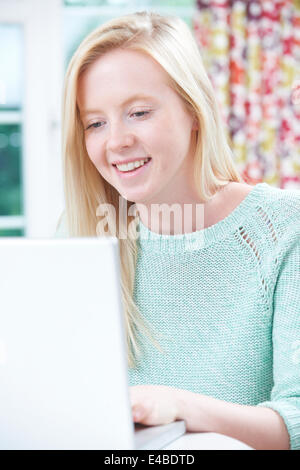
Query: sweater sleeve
{"points": [[285, 394]]}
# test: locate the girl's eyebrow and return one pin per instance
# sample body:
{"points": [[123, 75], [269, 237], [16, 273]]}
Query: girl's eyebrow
{"points": [[135, 97]]}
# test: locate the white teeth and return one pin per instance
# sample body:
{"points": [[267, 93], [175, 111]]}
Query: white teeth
{"points": [[130, 166]]}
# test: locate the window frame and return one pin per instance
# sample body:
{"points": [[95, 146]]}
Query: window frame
{"points": [[40, 117]]}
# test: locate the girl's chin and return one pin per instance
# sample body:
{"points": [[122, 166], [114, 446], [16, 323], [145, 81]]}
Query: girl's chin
{"points": [[137, 199]]}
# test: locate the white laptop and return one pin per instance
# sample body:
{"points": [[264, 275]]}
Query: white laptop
{"points": [[63, 366]]}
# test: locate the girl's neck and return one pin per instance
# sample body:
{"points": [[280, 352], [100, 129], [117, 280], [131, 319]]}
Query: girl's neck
{"points": [[188, 215]]}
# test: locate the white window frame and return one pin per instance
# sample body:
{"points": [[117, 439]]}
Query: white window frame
{"points": [[43, 199]]}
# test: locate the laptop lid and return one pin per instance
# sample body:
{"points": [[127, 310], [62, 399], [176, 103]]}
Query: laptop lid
{"points": [[63, 366]]}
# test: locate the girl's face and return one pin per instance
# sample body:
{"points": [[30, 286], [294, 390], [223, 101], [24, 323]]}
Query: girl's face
{"points": [[130, 113]]}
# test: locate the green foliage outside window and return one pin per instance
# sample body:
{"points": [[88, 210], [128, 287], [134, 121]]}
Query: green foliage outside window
{"points": [[10, 170], [17, 232]]}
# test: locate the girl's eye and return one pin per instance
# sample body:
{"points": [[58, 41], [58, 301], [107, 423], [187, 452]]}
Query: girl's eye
{"points": [[95, 125], [141, 113]]}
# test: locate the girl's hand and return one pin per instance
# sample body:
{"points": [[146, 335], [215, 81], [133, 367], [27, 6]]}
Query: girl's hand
{"points": [[154, 404]]}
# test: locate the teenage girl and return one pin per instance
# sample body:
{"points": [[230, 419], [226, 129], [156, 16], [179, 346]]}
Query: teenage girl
{"points": [[210, 265]]}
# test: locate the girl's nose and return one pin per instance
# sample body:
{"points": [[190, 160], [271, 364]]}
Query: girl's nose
{"points": [[119, 137]]}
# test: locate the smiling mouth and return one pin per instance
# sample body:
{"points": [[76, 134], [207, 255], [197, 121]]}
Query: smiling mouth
{"points": [[133, 169]]}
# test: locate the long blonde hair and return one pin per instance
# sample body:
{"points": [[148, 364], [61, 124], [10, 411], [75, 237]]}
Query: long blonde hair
{"points": [[170, 42]]}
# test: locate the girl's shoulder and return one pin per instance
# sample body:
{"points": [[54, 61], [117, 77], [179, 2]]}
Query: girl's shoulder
{"points": [[225, 202]]}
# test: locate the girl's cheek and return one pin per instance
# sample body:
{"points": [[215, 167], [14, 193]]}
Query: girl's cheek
{"points": [[90, 148], [96, 156]]}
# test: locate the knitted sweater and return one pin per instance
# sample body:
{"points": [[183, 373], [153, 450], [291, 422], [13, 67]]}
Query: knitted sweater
{"points": [[225, 305]]}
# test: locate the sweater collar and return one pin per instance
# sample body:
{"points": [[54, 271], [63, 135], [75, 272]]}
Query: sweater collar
{"points": [[202, 238]]}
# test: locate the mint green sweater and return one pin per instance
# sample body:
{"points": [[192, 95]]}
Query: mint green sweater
{"points": [[225, 303]]}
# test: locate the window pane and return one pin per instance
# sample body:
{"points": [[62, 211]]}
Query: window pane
{"points": [[75, 29], [11, 66], [131, 3], [13, 232], [10, 170], [77, 26], [86, 2]]}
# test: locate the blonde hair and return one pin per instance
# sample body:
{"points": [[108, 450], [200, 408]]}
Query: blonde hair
{"points": [[170, 42]]}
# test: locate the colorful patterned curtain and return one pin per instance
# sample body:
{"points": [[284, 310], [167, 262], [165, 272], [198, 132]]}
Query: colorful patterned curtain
{"points": [[251, 50]]}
